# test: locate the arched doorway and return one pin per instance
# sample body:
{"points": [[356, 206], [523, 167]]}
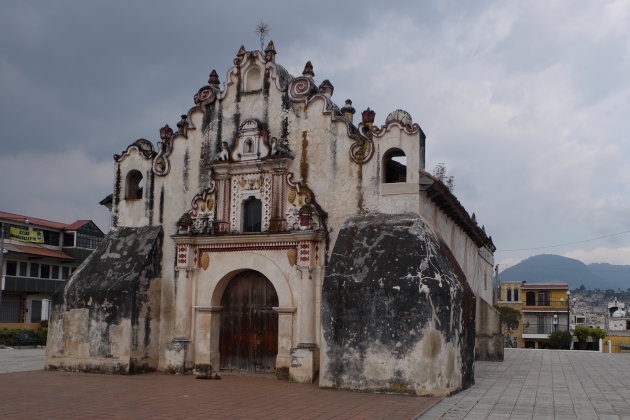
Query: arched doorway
{"points": [[249, 325]]}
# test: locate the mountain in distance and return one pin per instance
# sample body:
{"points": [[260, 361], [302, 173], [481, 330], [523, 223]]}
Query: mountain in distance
{"points": [[548, 268]]}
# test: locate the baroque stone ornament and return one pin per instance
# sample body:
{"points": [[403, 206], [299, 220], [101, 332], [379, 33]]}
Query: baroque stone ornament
{"points": [[301, 88], [292, 256], [204, 261]]}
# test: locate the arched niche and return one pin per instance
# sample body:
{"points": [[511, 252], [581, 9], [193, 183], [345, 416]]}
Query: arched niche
{"points": [[133, 185], [253, 79], [394, 166]]}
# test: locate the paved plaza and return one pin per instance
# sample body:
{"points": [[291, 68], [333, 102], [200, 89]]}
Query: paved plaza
{"points": [[529, 384], [544, 384]]}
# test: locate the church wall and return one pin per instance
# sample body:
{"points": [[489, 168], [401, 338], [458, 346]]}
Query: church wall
{"points": [[320, 149]]}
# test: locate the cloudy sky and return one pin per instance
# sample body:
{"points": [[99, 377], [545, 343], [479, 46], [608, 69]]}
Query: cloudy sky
{"points": [[527, 103]]}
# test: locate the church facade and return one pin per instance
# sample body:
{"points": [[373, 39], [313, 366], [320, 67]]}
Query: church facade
{"points": [[237, 241]]}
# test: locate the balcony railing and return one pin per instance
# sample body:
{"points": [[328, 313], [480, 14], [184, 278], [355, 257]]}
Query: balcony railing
{"points": [[541, 301], [31, 284], [544, 328]]}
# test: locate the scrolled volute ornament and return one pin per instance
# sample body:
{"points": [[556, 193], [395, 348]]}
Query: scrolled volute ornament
{"points": [[301, 88]]}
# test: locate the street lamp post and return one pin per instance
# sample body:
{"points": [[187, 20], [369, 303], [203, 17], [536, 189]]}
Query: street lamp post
{"points": [[1, 262]]}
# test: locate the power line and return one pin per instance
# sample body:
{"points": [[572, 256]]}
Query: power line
{"points": [[564, 244]]}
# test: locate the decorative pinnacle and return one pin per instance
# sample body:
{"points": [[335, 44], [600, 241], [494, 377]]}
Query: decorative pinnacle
{"points": [[166, 132], [213, 79], [270, 51], [367, 117], [308, 70], [241, 51], [326, 87]]}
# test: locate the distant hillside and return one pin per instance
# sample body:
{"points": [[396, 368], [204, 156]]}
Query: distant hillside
{"points": [[557, 269], [618, 275]]}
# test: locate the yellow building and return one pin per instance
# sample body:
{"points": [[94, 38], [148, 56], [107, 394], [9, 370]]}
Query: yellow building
{"points": [[510, 296], [544, 309]]}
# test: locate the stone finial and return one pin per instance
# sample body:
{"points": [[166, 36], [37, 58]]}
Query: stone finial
{"points": [[474, 218], [326, 88], [182, 125], [166, 132], [308, 70], [213, 79], [348, 110], [367, 117], [241, 51], [270, 51]]}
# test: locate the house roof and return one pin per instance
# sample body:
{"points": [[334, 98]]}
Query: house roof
{"points": [[445, 200], [34, 221], [77, 225], [40, 251]]}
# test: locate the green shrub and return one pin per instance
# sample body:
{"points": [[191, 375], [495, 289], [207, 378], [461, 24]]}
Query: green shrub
{"points": [[6, 337], [582, 333], [42, 332], [560, 340]]}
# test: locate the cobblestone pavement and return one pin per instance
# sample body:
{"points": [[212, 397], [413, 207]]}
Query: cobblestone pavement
{"points": [[544, 384], [63, 395]]}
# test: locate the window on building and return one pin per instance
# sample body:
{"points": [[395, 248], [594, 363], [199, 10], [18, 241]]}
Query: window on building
{"points": [[530, 299], [45, 271], [51, 238], [252, 215], [65, 273], [133, 185], [395, 166], [11, 269], [89, 236], [543, 299], [23, 268], [68, 239], [55, 272], [516, 295], [34, 270], [509, 295], [36, 311]]}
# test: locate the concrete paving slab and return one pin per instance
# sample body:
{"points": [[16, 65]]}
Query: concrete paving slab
{"points": [[540, 384]]}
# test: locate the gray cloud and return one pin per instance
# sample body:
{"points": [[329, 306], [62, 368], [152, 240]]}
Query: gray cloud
{"points": [[526, 103]]}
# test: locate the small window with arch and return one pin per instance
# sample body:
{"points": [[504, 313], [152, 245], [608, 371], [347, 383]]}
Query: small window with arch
{"points": [[252, 215], [133, 185], [395, 166]]}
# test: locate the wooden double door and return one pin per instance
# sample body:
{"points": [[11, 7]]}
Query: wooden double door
{"points": [[249, 324]]}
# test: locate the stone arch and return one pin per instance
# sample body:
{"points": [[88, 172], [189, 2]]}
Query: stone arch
{"points": [[394, 166], [256, 262]]}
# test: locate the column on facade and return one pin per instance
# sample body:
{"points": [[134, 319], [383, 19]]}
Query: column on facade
{"points": [[285, 336], [307, 306], [183, 304]]}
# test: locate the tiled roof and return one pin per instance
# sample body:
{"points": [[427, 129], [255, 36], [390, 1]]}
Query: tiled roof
{"points": [[34, 221], [43, 252], [76, 225]]}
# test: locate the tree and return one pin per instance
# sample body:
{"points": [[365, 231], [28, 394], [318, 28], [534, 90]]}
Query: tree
{"points": [[560, 340], [510, 317], [582, 333], [440, 173]]}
